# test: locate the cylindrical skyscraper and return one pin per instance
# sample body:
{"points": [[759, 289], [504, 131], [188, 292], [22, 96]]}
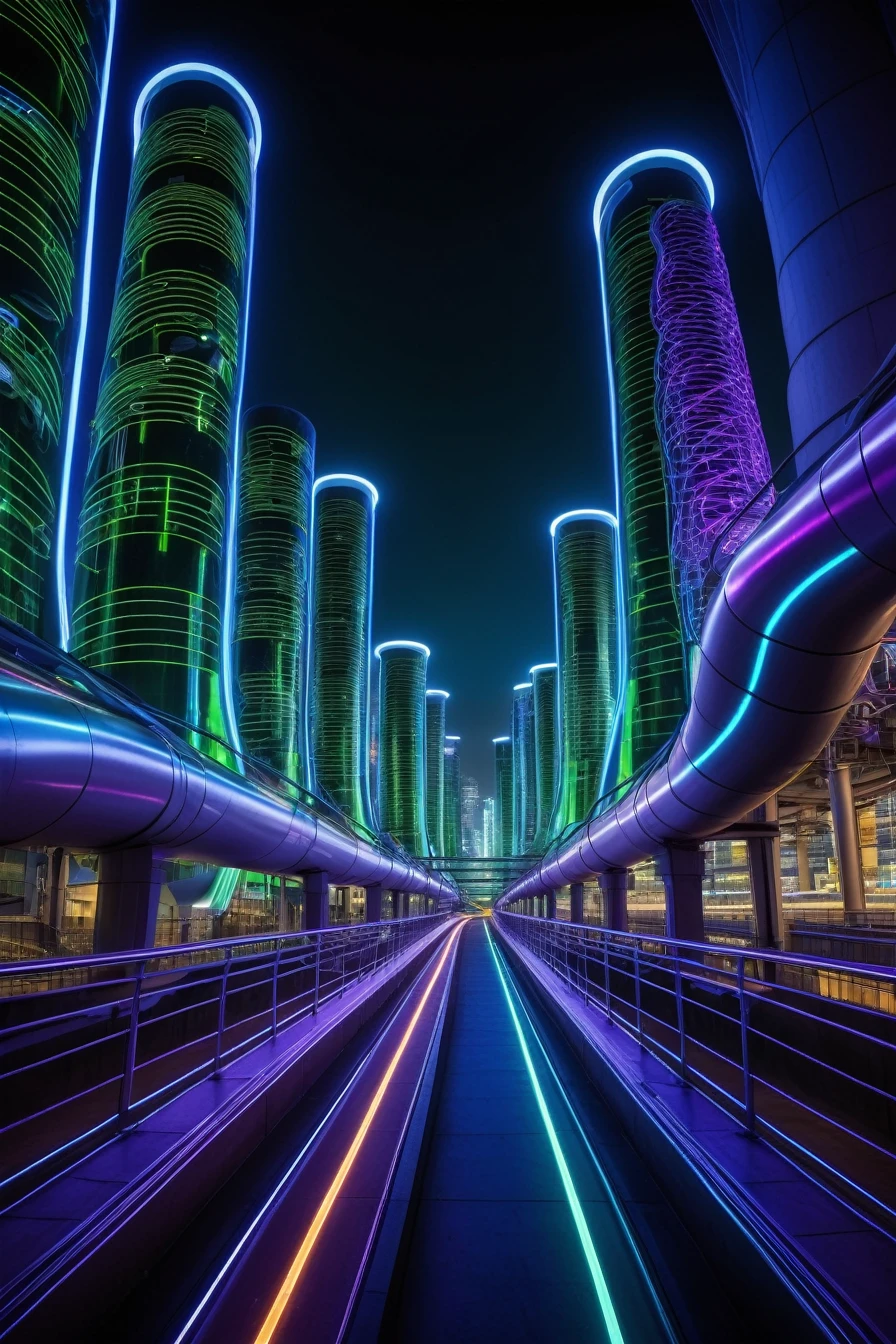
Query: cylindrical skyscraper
{"points": [[402, 743], [452, 820], [435, 769], [812, 85], [656, 688], [522, 735], [587, 667], [55, 72], [153, 565], [544, 705], [503, 797], [339, 678], [273, 554]]}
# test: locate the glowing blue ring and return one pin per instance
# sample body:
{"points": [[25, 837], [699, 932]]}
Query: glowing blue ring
{"points": [[653, 158], [583, 513], [500, 739], [523, 686], [444, 694], [344, 476], [400, 644], [542, 667], [212, 74]]}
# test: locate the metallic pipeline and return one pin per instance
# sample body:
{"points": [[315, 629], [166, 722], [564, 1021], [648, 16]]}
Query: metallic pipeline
{"points": [[76, 772], [787, 640]]}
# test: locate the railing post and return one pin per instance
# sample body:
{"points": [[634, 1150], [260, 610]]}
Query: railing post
{"points": [[127, 1077], [222, 1007], [607, 979], [749, 1106], [679, 1005], [316, 1003], [638, 1024], [274, 992]]}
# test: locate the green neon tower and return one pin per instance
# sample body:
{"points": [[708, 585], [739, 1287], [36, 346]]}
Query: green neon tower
{"points": [[435, 769], [587, 657], [544, 704], [54, 71], [452, 824], [343, 514], [522, 734], [402, 743], [273, 553], [152, 581], [503, 797], [655, 693]]}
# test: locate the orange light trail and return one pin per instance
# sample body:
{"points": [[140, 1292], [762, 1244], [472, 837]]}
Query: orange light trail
{"points": [[294, 1273]]}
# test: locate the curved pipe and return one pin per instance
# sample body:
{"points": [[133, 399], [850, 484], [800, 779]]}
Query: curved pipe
{"points": [[76, 773], [786, 643]]}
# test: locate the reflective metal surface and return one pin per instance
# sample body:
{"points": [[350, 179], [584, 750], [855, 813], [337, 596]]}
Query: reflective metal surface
{"points": [[81, 767], [788, 638]]}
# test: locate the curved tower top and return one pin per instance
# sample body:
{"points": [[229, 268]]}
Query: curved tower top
{"points": [[188, 71], [336, 478]]}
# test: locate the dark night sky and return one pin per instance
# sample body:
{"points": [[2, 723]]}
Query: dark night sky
{"points": [[425, 283]]}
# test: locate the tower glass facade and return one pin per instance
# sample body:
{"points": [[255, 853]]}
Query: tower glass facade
{"points": [[402, 744], [503, 797], [452, 823], [273, 552], [53, 75], [435, 769], [656, 688], [544, 706], [150, 592], [339, 679], [523, 741], [587, 671]]}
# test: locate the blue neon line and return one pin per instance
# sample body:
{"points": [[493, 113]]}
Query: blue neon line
{"points": [[578, 1214], [774, 620], [80, 348], [230, 544]]}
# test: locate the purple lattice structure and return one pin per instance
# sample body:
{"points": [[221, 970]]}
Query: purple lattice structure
{"points": [[715, 454]]}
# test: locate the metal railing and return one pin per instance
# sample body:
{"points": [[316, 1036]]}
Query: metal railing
{"points": [[801, 1051], [89, 1046]]}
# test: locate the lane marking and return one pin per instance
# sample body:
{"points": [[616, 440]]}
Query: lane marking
{"points": [[608, 1311]]}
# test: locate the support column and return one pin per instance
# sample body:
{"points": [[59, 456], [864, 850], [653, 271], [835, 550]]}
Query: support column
{"points": [[682, 868], [803, 871], [550, 905], [764, 855], [846, 837], [373, 905], [577, 902], [615, 884], [317, 900], [57, 871], [129, 883], [283, 907]]}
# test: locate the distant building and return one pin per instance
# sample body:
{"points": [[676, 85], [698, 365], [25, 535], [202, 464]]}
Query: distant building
{"points": [[488, 828], [452, 822], [544, 726], [435, 768], [273, 560], [402, 743], [470, 818], [339, 665], [585, 606], [522, 735], [503, 797]]}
